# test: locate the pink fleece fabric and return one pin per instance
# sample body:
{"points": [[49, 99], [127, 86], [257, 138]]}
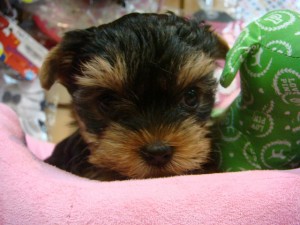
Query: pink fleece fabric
{"points": [[32, 192]]}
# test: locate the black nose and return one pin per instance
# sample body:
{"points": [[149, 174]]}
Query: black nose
{"points": [[157, 154]]}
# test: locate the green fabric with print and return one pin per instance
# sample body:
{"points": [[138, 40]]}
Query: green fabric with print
{"points": [[261, 128]]}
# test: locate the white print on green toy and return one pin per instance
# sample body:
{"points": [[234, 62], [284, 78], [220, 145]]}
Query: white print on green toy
{"points": [[287, 85], [262, 124], [277, 152], [280, 46], [276, 20], [239, 52], [250, 155], [262, 128], [230, 133], [259, 65]]}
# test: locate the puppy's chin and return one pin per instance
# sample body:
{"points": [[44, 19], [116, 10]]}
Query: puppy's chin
{"points": [[119, 149]]}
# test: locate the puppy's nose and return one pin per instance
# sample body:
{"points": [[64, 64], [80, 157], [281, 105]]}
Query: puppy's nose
{"points": [[157, 154]]}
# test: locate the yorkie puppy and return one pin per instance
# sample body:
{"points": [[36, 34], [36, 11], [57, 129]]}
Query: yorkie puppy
{"points": [[142, 92]]}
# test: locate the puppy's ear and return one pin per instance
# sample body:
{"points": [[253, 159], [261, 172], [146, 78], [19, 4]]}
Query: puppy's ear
{"points": [[63, 60], [55, 67], [222, 47]]}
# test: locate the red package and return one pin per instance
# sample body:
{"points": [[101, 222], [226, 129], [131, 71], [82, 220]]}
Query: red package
{"points": [[19, 50]]}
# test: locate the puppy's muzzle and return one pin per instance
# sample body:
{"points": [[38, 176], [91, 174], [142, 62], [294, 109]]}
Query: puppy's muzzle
{"points": [[157, 154]]}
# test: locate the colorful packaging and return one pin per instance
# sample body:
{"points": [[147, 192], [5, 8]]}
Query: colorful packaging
{"points": [[19, 50]]}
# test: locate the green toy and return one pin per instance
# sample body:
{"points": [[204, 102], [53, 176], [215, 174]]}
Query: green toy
{"points": [[261, 128]]}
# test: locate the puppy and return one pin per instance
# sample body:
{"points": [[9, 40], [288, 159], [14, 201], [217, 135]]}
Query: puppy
{"points": [[142, 92]]}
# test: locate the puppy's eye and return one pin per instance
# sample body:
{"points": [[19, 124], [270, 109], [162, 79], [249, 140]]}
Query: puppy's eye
{"points": [[106, 102], [190, 98]]}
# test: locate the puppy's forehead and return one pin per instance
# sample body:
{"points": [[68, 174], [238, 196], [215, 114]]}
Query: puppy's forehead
{"points": [[195, 68], [98, 72], [146, 52]]}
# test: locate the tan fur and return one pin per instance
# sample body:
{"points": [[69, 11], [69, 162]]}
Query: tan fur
{"points": [[98, 72], [195, 67], [55, 67], [223, 47], [119, 146], [47, 79]]}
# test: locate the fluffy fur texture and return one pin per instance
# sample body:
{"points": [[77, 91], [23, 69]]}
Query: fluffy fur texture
{"points": [[143, 90]]}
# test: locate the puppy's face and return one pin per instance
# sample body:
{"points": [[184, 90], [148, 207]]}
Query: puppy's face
{"points": [[142, 90]]}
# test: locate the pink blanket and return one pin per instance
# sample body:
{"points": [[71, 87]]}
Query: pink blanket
{"points": [[32, 192]]}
